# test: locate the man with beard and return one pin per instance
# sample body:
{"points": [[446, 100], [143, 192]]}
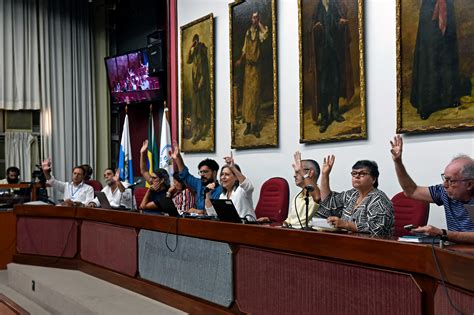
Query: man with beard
{"points": [[456, 191], [13, 177], [116, 192], [208, 169]]}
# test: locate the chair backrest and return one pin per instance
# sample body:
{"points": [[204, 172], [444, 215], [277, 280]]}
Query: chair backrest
{"points": [[139, 193], [95, 184], [273, 200], [409, 211]]}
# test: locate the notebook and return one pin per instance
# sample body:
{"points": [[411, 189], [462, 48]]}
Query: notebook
{"points": [[104, 201], [226, 211], [167, 206]]}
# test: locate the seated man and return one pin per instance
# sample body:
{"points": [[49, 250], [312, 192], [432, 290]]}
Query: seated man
{"points": [[456, 191], [159, 182], [13, 176], [76, 193], [117, 194], [208, 169], [306, 176]]}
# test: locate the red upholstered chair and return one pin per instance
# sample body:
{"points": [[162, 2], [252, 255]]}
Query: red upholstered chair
{"points": [[95, 184], [408, 211], [139, 193], [274, 199]]}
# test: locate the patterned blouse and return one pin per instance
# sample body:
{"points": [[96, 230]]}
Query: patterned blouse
{"points": [[374, 215]]}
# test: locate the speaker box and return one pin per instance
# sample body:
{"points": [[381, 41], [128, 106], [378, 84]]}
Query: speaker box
{"points": [[155, 58]]}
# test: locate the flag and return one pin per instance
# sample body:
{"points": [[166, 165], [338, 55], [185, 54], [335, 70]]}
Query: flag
{"points": [[165, 145], [152, 162], [125, 157]]}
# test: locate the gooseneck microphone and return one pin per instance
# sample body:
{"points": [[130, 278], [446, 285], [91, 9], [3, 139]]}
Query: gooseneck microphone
{"points": [[309, 188]]}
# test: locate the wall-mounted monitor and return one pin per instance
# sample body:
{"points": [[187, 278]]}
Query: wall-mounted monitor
{"points": [[129, 80]]}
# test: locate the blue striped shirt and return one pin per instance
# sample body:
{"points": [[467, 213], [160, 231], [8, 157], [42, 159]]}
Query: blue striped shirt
{"points": [[457, 217]]}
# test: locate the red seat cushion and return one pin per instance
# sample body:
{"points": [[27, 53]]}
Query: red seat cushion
{"points": [[408, 211], [273, 200], [139, 194], [95, 184]]}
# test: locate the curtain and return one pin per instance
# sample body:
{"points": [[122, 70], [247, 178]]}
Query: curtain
{"points": [[21, 150], [67, 85], [19, 59]]}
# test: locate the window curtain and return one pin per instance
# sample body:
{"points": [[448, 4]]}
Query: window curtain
{"points": [[66, 84], [19, 58], [46, 63], [21, 150]]}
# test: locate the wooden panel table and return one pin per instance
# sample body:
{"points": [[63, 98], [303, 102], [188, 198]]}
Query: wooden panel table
{"points": [[293, 271]]}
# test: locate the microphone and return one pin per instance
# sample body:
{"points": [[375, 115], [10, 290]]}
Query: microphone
{"points": [[309, 188], [206, 190], [138, 182]]}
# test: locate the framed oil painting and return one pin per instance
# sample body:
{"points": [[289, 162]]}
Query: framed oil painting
{"points": [[197, 86], [253, 74], [435, 65], [332, 74]]}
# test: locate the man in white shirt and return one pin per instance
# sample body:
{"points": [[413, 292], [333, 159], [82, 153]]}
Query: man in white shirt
{"points": [[116, 192], [76, 193], [306, 177]]}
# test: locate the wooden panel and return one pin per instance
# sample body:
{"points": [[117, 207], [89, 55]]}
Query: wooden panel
{"points": [[7, 237], [109, 246], [8, 307], [462, 300], [47, 236], [291, 284]]}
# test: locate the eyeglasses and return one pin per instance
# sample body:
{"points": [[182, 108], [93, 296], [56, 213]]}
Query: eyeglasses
{"points": [[359, 174], [452, 181], [202, 172]]}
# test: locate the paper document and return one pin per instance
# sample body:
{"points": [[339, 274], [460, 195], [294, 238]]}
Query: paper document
{"points": [[321, 223]]}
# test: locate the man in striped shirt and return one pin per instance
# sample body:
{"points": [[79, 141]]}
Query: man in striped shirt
{"points": [[456, 191]]}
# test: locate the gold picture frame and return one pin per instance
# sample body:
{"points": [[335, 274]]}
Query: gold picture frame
{"points": [[197, 85], [253, 74], [332, 108], [435, 66]]}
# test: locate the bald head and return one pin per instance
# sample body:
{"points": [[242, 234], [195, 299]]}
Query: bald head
{"points": [[464, 165]]}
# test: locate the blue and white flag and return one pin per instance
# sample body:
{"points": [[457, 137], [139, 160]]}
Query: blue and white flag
{"points": [[125, 157], [165, 145]]}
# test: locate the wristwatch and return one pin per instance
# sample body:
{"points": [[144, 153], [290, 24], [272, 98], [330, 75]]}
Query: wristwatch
{"points": [[305, 176], [444, 236]]}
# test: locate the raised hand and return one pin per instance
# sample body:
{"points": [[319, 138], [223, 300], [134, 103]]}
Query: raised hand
{"points": [[46, 165], [229, 160], [144, 147], [397, 148], [117, 175], [297, 165], [328, 163], [175, 153]]}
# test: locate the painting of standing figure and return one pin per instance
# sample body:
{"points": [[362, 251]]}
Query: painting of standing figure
{"points": [[253, 74], [332, 86], [197, 85], [435, 66]]}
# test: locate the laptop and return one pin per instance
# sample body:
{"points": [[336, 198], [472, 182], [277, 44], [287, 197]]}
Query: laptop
{"points": [[104, 201], [167, 206], [470, 210], [226, 211]]}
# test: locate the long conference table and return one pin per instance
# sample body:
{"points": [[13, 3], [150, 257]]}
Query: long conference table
{"points": [[211, 267]]}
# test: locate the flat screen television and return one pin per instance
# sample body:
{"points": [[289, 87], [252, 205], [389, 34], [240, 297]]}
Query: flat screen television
{"points": [[129, 81]]}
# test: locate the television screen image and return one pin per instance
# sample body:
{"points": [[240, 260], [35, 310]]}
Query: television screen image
{"points": [[129, 80]]}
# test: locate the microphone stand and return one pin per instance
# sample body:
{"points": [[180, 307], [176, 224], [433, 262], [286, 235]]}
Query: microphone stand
{"points": [[306, 200]]}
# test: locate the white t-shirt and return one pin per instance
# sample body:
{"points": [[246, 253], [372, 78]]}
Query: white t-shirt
{"points": [[242, 199], [117, 198]]}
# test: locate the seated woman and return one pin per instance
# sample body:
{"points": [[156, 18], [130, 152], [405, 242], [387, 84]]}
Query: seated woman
{"points": [[235, 186], [159, 182], [183, 198], [364, 208]]}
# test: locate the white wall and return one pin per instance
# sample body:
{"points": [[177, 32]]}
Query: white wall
{"points": [[425, 156]]}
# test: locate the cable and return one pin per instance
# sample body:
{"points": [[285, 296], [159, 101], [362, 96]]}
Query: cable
{"points": [[176, 234], [296, 210], [441, 275]]}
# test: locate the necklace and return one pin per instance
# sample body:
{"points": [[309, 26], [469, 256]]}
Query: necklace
{"points": [[74, 192]]}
